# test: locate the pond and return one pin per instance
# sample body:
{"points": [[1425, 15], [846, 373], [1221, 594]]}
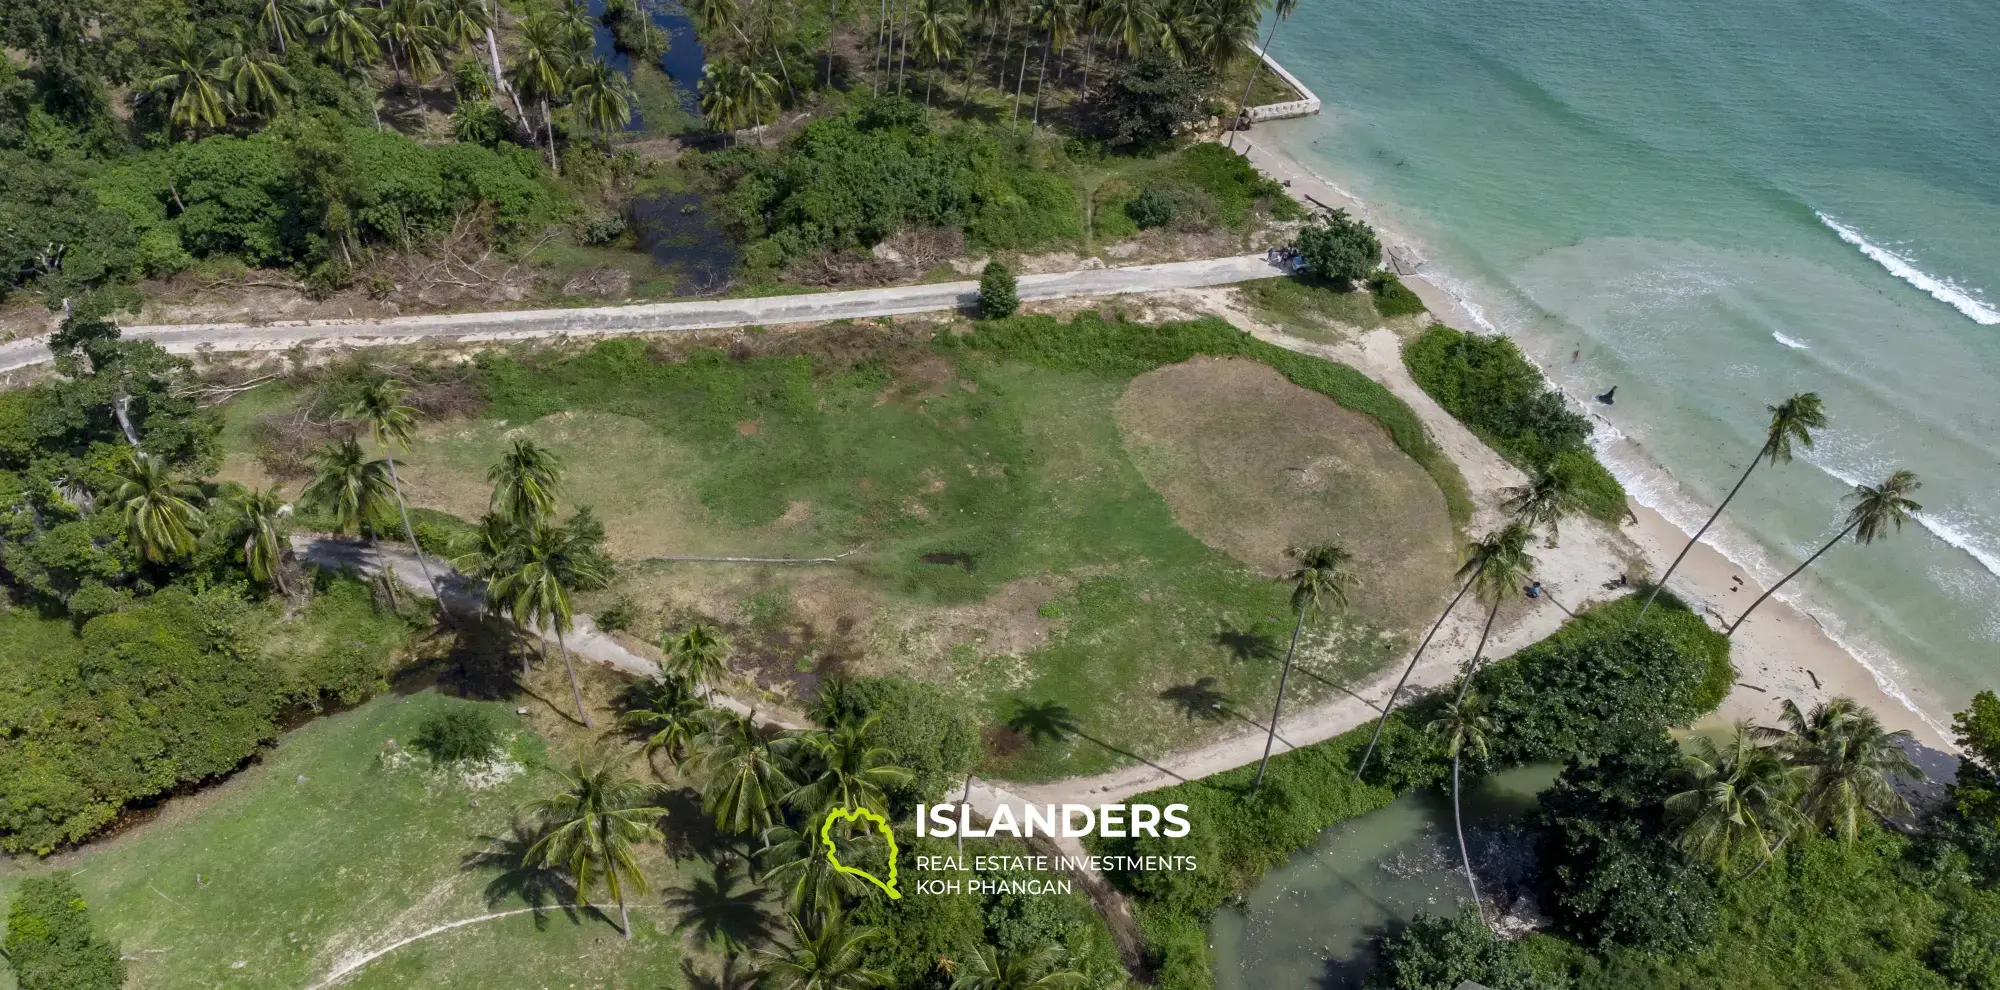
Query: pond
{"points": [[1313, 923], [682, 62], [682, 233]]}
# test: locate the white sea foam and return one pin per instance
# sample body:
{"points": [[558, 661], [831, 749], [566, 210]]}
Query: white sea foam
{"points": [[1965, 300], [1950, 534], [1791, 342]]}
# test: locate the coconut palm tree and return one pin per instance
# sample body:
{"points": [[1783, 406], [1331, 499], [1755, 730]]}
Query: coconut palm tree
{"points": [[541, 68], [846, 767], [1873, 511], [1548, 497], [1464, 725], [673, 713], [589, 828], [1180, 30], [1129, 23], [717, 95], [462, 23], [1502, 567], [1284, 11], [526, 482], [259, 82], [1228, 29], [347, 33], [281, 21], [544, 564], [381, 411], [1792, 423], [1848, 763], [599, 93], [773, 21], [1058, 20], [411, 28], [795, 864], [192, 78], [264, 513], [747, 776], [1039, 969], [348, 484], [1478, 556], [1321, 579], [698, 655], [822, 956], [754, 93], [938, 31], [162, 516], [1739, 798]]}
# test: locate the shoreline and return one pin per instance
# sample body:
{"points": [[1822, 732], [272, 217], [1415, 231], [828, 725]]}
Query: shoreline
{"points": [[1785, 653]]}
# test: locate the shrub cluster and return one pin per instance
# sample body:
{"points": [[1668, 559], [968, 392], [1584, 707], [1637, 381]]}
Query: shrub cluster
{"points": [[458, 731], [1340, 249], [1485, 383], [998, 296], [51, 944]]}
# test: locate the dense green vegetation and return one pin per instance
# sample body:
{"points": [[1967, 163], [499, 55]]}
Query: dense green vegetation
{"points": [[1574, 696], [1204, 187], [1340, 249], [51, 944], [1489, 386]]}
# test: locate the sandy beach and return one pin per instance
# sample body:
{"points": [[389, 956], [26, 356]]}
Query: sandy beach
{"points": [[1782, 653]]}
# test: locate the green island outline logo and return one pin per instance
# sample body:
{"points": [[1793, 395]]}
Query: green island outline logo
{"points": [[833, 856]]}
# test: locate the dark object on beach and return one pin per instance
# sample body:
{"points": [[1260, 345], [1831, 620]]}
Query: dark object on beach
{"points": [[1816, 684], [1607, 397], [1535, 590]]}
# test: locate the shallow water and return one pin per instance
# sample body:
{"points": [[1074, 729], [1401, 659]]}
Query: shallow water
{"points": [[682, 62], [1314, 922], [1720, 204]]}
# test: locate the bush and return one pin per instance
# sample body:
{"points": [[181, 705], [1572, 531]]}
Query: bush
{"points": [[997, 295], [458, 731], [1152, 208], [620, 614], [1439, 952], [51, 944], [1486, 384], [931, 733], [1392, 297], [599, 226], [1340, 249]]}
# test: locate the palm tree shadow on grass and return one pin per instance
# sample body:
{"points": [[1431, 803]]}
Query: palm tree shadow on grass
{"points": [[1052, 721], [517, 879], [691, 832], [725, 910], [1200, 700], [1246, 645]]}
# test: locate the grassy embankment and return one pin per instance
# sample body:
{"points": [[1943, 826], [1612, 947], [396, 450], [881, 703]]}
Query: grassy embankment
{"points": [[1055, 571]]}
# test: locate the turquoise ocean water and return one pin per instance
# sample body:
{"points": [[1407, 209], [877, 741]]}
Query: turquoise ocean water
{"points": [[1721, 204]]}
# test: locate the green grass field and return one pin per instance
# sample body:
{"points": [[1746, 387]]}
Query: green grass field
{"points": [[996, 538], [332, 847]]}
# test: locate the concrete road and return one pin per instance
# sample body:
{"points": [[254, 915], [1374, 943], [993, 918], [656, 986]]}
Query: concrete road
{"points": [[657, 317]]}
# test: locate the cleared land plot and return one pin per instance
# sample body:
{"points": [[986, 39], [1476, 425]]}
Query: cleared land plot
{"points": [[1252, 464], [995, 536], [334, 846]]}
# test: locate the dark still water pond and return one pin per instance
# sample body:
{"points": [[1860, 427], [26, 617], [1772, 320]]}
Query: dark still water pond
{"points": [[684, 237], [1312, 923]]}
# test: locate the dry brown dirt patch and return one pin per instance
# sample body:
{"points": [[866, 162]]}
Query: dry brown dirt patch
{"points": [[1250, 464]]}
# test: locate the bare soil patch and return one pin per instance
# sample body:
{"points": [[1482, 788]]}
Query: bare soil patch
{"points": [[1251, 464]]}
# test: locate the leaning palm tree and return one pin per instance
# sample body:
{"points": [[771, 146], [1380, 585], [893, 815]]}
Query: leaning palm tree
{"points": [[381, 411], [589, 828], [1503, 566], [747, 778], [1875, 509], [257, 79], [1284, 12], [846, 767], [1848, 764], [347, 33], [1464, 725], [264, 513], [1482, 553], [674, 716], [541, 68], [821, 956], [192, 78], [161, 515], [281, 21], [354, 488], [1322, 578], [545, 564], [1549, 496], [1039, 969], [698, 655], [526, 482], [1738, 799], [1792, 423], [599, 93]]}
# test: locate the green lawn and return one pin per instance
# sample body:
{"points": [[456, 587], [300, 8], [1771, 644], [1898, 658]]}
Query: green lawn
{"points": [[1309, 309], [331, 847]]}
